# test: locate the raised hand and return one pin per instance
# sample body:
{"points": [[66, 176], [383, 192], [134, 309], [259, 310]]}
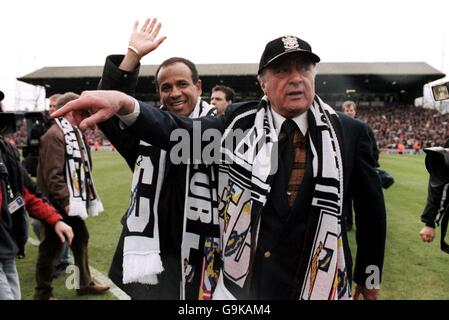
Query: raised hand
{"points": [[146, 39], [141, 42]]}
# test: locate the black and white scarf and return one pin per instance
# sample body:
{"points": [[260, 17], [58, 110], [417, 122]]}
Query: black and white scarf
{"points": [[244, 185], [84, 200], [200, 241]]}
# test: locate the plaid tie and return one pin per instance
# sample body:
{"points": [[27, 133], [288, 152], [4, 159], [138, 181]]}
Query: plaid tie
{"points": [[293, 152]]}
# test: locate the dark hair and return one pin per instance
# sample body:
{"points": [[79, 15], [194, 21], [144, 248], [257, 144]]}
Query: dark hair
{"points": [[229, 92], [174, 60]]}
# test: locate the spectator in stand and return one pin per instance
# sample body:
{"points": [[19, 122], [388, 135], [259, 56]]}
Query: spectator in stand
{"points": [[401, 148], [394, 123], [416, 147]]}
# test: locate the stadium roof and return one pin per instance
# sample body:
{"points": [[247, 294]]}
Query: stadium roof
{"points": [[332, 78], [241, 69]]}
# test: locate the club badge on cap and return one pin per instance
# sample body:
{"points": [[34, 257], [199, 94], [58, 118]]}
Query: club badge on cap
{"points": [[290, 43], [285, 45]]}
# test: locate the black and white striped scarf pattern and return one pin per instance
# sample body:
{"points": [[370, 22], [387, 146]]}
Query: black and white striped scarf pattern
{"points": [[244, 185], [84, 200], [200, 242]]}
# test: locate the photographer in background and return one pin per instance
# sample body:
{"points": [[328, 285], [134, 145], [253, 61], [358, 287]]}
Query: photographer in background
{"points": [[436, 210], [40, 124], [437, 164]]}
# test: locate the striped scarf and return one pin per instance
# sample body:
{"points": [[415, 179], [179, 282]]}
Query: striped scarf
{"points": [[141, 255], [244, 185], [84, 200]]}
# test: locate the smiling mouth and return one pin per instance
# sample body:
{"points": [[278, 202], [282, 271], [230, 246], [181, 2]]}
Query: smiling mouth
{"points": [[177, 104]]}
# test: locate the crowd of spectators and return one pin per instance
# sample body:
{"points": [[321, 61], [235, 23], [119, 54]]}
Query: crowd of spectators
{"points": [[393, 125], [414, 128], [19, 138]]}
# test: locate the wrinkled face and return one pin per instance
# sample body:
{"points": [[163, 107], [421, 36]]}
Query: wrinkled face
{"points": [[218, 99], [177, 91], [289, 84], [350, 111]]}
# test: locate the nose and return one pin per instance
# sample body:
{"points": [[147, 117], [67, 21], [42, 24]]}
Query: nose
{"points": [[175, 92], [296, 76]]}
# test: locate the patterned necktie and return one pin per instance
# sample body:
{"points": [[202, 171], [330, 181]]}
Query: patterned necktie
{"points": [[293, 153]]}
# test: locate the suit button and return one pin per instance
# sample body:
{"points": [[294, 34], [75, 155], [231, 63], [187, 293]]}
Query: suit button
{"points": [[267, 254]]}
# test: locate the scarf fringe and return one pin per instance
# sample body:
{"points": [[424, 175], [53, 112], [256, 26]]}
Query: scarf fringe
{"points": [[95, 208], [142, 268], [77, 208]]}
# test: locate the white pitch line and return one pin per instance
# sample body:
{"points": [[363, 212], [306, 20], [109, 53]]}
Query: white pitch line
{"points": [[97, 275], [34, 242], [101, 278]]}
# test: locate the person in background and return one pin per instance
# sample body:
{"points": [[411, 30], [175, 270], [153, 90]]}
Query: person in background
{"points": [[221, 97], [64, 176], [436, 210], [349, 107], [33, 159], [17, 193]]}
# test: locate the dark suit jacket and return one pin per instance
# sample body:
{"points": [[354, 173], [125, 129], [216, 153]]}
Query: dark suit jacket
{"points": [[360, 180], [171, 203], [363, 185], [434, 205]]}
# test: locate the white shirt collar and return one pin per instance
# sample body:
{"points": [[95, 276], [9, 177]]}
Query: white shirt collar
{"points": [[301, 121], [194, 114]]}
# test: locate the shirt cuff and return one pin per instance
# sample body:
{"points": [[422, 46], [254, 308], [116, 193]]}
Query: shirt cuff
{"points": [[129, 119]]}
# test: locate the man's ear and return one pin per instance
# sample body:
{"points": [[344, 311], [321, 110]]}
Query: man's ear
{"points": [[262, 83], [199, 88]]}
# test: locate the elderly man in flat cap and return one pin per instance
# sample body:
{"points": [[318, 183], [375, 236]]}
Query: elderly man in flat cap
{"points": [[282, 183]]}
